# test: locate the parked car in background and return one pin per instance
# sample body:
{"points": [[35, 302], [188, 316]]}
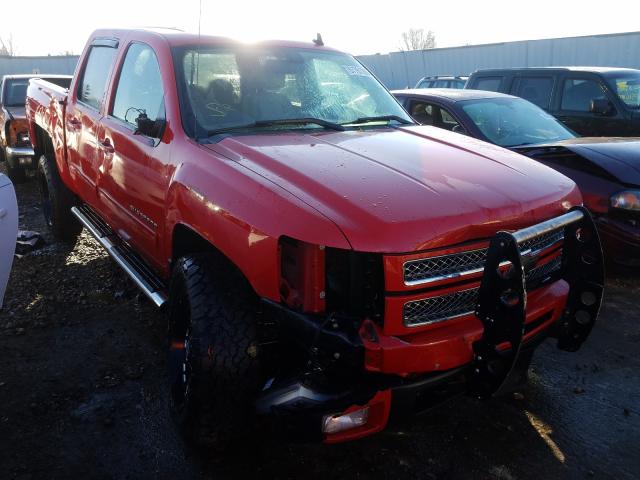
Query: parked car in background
{"points": [[607, 170], [592, 101], [15, 147], [8, 231], [441, 81]]}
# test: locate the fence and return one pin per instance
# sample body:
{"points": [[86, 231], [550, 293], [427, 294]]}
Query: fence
{"points": [[404, 69]]}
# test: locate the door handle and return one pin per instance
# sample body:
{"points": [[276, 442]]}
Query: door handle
{"points": [[106, 146]]}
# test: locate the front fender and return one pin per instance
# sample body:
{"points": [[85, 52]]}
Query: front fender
{"points": [[243, 215]]}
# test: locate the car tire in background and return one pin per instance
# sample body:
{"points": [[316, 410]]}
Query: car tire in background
{"points": [[16, 173], [56, 201], [214, 364]]}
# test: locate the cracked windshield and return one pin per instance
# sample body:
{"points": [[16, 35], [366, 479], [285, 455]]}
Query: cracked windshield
{"points": [[225, 89]]}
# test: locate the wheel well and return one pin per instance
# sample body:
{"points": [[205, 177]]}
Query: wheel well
{"points": [[44, 144], [186, 242]]}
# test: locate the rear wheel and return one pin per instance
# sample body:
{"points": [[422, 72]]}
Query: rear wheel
{"points": [[56, 201], [214, 368]]}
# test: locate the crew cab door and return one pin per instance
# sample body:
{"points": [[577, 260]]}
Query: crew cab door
{"points": [[83, 114], [133, 165]]}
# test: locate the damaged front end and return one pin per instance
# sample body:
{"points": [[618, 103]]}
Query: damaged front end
{"points": [[358, 362]]}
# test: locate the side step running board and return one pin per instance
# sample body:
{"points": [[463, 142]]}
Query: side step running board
{"points": [[133, 265]]}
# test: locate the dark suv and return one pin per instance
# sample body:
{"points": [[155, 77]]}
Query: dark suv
{"points": [[592, 101]]}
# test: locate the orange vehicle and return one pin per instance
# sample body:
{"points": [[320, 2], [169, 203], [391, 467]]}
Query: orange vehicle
{"points": [[325, 262], [15, 147]]}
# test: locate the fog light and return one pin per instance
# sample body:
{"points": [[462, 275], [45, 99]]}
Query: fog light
{"points": [[339, 423]]}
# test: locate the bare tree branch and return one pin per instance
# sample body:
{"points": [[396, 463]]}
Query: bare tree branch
{"points": [[6, 46], [417, 39]]}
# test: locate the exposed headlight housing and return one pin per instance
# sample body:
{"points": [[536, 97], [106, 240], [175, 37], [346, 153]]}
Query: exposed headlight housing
{"points": [[626, 200]]}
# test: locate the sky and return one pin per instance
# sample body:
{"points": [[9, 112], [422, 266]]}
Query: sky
{"points": [[356, 26]]}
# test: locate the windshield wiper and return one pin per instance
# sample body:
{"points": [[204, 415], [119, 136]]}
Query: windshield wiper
{"points": [[300, 121], [380, 118], [279, 121]]}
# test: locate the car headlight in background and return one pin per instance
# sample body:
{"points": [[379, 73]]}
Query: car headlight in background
{"points": [[626, 200]]}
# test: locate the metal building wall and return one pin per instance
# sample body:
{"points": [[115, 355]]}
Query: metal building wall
{"points": [[49, 64], [404, 69]]}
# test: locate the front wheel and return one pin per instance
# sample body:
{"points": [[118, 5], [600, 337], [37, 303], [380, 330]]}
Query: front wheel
{"points": [[56, 201], [214, 370]]}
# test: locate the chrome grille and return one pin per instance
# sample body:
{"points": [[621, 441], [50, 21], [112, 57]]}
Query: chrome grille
{"points": [[418, 271], [437, 309], [445, 307], [540, 273], [433, 269], [541, 242]]}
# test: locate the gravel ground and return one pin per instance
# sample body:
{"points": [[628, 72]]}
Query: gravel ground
{"points": [[82, 394]]}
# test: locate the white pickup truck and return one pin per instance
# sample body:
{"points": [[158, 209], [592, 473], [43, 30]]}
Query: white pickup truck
{"points": [[8, 231]]}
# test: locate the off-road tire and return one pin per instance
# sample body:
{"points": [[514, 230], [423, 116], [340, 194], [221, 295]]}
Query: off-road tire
{"points": [[56, 201], [213, 330]]}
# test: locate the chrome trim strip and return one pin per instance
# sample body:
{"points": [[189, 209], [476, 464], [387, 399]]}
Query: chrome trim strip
{"points": [[19, 152], [158, 298], [548, 226]]}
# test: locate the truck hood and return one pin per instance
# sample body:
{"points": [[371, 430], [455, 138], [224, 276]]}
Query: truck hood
{"points": [[406, 189], [16, 112], [619, 156]]}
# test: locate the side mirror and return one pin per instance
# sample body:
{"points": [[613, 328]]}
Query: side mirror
{"points": [[147, 127], [602, 106]]}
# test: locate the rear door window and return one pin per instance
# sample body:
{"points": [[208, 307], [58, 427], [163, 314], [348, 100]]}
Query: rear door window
{"points": [[535, 89], [491, 84], [577, 94], [95, 76]]}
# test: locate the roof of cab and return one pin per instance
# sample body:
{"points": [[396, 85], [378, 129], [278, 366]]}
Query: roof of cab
{"points": [[451, 94], [177, 38]]}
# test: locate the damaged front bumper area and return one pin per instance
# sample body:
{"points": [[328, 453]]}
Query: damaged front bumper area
{"points": [[346, 388]]}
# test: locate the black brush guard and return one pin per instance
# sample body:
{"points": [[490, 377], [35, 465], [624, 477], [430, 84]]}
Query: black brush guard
{"points": [[502, 299]]}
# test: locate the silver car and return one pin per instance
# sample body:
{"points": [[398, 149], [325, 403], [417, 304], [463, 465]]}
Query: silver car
{"points": [[8, 230]]}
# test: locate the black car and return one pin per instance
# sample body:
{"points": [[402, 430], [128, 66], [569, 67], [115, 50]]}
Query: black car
{"points": [[593, 101], [607, 170], [442, 81]]}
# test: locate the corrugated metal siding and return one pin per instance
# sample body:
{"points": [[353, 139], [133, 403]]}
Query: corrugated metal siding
{"points": [[63, 65], [404, 69]]}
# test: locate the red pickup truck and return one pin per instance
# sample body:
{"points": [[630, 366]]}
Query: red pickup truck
{"points": [[327, 264]]}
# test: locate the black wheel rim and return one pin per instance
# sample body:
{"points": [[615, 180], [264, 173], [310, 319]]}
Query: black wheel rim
{"points": [[180, 371]]}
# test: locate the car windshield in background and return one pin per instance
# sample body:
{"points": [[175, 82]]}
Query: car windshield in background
{"points": [[223, 89], [627, 86], [16, 93], [511, 122]]}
